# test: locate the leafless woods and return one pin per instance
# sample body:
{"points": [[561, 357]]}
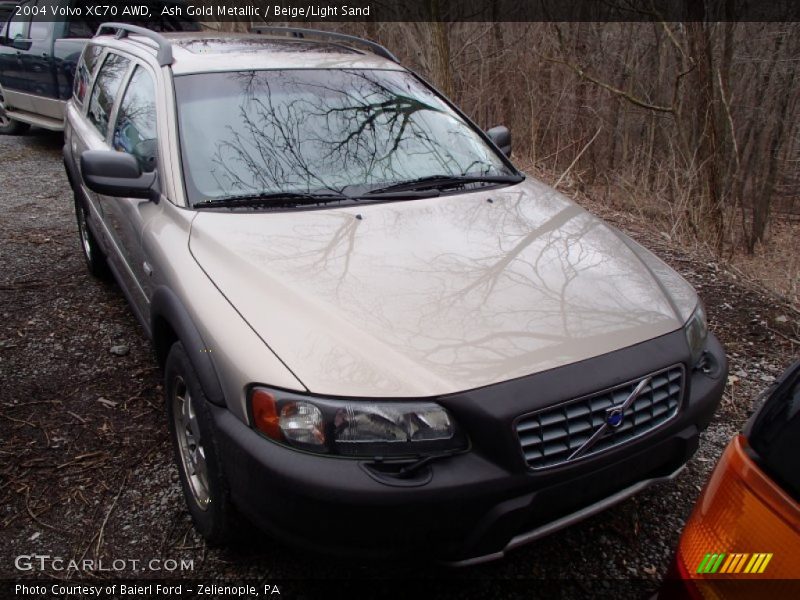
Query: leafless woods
{"points": [[695, 124], [699, 122]]}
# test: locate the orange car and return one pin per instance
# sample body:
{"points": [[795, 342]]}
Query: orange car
{"points": [[743, 537]]}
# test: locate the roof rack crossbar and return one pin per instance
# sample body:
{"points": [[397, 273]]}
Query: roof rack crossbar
{"points": [[164, 55], [297, 32]]}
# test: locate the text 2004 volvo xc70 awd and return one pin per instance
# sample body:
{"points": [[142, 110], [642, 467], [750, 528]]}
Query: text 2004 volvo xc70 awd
{"points": [[377, 334]]}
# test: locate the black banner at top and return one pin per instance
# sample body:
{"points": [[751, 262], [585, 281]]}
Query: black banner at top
{"points": [[315, 11]]}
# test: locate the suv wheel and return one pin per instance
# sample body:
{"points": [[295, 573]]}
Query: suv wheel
{"points": [[196, 455], [9, 126], [95, 259]]}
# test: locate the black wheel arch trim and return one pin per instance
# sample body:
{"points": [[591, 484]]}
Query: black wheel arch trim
{"points": [[69, 167], [73, 175], [165, 305]]}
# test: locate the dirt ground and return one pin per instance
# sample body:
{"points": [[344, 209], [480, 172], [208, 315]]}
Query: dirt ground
{"points": [[85, 463]]}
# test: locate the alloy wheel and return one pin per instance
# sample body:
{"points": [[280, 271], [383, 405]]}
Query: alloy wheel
{"points": [[83, 230], [190, 447], [5, 121]]}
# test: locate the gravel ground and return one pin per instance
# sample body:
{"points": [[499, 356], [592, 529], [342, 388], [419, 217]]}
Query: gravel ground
{"points": [[86, 468]]}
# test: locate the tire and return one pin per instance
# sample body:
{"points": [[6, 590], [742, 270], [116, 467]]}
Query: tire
{"points": [[95, 259], [9, 126], [196, 453]]}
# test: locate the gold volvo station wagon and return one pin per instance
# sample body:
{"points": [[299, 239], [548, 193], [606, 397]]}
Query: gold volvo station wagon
{"points": [[377, 335]]}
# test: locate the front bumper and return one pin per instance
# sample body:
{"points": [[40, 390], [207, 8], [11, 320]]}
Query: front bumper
{"points": [[480, 504]]}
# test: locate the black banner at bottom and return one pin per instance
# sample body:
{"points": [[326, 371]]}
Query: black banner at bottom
{"points": [[466, 587]]}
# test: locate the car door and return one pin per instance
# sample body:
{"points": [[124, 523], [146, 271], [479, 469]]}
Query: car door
{"points": [[93, 131], [83, 134], [134, 132], [101, 108], [39, 64], [17, 90]]}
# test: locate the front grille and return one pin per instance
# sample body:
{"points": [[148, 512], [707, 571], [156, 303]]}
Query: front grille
{"points": [[551, 436]]}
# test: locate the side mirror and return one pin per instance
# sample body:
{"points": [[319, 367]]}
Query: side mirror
{"points": [[20, 43], [116, 174], [501, 137]]}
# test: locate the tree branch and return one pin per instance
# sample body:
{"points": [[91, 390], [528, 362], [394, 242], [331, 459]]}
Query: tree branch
{"points": [[614, 90]]}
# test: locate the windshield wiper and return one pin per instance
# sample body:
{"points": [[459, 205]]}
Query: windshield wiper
{"points": [[275, 199], [283, 199], [387, 194], [444, 181]]}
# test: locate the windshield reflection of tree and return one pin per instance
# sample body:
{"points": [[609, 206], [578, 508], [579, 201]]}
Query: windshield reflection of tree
{"points": [[299, 133]]}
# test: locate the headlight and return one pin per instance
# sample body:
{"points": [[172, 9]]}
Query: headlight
{"points": [[357, 428], [696, 329]]}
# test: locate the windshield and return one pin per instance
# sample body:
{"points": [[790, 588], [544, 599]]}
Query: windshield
{"points": [[252, 133]]}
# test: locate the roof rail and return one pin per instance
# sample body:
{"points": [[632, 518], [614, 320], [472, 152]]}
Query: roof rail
{"points": [[296, 32], [122, 30]]}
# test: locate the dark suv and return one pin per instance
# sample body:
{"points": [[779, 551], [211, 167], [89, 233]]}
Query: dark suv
{"points": [[39, 53]]}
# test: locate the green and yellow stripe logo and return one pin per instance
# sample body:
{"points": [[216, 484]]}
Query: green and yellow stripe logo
{"points": [[737, 562]]}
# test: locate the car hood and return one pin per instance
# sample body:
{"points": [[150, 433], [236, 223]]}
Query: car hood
{"points": [[427, 297]]}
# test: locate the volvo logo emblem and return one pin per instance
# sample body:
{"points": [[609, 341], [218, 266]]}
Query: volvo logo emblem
{"points": [[615, 416]]}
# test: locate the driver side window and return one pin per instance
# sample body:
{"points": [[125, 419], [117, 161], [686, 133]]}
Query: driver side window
{"points": [[135, 130], [19, 27]]}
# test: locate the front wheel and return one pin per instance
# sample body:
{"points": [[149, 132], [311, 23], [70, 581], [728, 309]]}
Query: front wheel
{"points": [[9, 126], [196, 455]]}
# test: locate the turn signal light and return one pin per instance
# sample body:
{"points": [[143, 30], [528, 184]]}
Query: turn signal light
{"points": [[265, 413]]}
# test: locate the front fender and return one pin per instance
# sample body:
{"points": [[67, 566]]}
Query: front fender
{"points": [[167, 309]]}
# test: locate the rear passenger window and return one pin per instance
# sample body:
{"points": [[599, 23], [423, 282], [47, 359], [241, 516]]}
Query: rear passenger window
{"points": [[105, 90], [79, 29], [135, 131], [83, 76], [83, 26]]}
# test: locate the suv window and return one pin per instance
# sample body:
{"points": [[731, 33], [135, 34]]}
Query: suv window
{"points": [[18, 27], [83, 76], [40, 30], [80, 28], [776, 430], [135, 131], [42, 22], [105, 90]]}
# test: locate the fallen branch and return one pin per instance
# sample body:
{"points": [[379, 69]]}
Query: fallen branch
{"points": [[23, 421], [784, 336], [35, 517], [81, 458], [108, 514], [81, 419], [575, 160]]}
